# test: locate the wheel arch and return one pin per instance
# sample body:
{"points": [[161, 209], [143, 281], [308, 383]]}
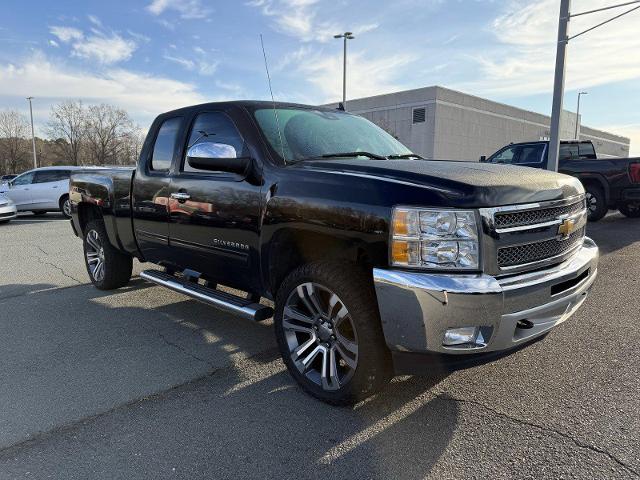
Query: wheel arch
{"points": [[598, 180], [290, 248]]}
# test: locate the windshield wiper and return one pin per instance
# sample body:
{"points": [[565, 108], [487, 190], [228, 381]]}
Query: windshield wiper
{"points": [[354, 154], [406, 155]]}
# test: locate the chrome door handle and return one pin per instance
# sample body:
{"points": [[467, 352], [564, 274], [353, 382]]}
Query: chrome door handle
{"points": [[181, 196]]}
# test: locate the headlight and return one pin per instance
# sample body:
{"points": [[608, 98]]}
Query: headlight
{"points": [[428, 238]]}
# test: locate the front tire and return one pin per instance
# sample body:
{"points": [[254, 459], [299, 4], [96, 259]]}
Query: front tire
{"points": [[65, 206], [329, 333], [108, 268], [596, 203], [631, 210]]}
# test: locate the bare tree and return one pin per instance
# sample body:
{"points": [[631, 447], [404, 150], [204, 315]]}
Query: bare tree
{"points": [[68, 123], [132, 146], [14, 147], [107, 131]]}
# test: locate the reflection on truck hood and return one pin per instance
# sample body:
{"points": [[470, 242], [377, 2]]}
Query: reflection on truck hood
{"points": [[482, 184]]}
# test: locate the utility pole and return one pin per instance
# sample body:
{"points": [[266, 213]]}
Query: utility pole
{"points": [[577, 135], [33, 136], [561, 54], [346, 36], [558, 85]]}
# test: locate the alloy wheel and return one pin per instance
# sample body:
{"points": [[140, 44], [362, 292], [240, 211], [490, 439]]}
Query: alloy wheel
{"points": [[592, 202], [320, 335], [66, 207], [95, 255]]}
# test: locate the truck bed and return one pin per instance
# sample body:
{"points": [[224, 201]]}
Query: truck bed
{"points": [[107, 189]]}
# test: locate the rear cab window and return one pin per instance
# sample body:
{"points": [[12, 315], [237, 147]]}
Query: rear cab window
{"points": [[165, 144]]}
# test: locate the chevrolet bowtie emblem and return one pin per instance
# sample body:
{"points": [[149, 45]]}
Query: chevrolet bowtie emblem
{"points": [[566, 228]]}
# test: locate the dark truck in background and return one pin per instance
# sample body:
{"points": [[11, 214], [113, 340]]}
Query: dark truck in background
{"points": [[610, 183], [377, 262]]}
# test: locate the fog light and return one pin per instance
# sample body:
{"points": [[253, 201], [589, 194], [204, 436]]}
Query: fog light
{"points": [[460, 336]]}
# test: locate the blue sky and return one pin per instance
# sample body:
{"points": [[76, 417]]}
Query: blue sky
{"points": [[149, 56]]}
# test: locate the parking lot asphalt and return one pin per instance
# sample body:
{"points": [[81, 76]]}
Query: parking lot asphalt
{"points": [[146, 383]]}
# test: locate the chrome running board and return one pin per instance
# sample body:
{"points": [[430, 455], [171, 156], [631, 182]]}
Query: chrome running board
{"points": [[224, 301]]}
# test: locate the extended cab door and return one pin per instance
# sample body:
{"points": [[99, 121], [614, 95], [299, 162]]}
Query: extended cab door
{"points": [[151, 188], [214, 216]]}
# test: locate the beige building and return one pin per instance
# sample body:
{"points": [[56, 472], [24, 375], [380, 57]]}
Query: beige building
{"points": [[444, 124]]}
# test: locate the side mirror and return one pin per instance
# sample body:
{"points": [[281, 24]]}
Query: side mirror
{"points": [[483, 158], [217, 157]]}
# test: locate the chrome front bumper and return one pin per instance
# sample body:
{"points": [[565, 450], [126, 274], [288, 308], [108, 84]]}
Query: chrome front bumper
{"points": [[416, 309], [7, 212]]}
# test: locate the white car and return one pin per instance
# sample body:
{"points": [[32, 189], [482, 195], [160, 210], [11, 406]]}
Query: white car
{"points": [[8, 209], [41, 190]]}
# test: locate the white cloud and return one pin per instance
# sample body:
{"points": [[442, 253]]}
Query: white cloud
{"points": [[144, 96], [295, 18], [365, 76], [95, 20], [200, 63], [188, 9], [106, 48], [66, 34], [523, 62], [53, 43]]}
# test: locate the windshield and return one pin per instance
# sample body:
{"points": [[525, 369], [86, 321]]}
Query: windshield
{"points": [[316, 133]]}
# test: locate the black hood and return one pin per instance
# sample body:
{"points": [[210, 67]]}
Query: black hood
{"points": [[480, 184]]}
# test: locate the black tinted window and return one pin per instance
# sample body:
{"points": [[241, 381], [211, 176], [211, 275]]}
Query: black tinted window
{"points": [[586, 150], [165, 144], [215, 127], [569, 151], [47, 176], [530, 154], [505, 156]]}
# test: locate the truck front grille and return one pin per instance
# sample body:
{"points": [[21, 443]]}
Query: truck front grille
{"points": [[531, 217], [533, 252], [525, 237]]}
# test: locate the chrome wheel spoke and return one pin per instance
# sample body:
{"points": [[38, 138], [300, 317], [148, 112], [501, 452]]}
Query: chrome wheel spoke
{"points": [[346, 343], [306, 293], [308, 360], [348, 359], [329, 373], [303, 347], [93, 241]]}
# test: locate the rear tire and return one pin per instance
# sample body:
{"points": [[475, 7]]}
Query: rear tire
{"points": [[596, 202], [343, 329], [65, 206], [108, 268], [631, 210]]}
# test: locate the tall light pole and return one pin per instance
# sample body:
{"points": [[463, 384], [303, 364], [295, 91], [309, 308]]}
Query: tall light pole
{"points": [[578, 115], [33, 135], [558, 84], [346, 36]]}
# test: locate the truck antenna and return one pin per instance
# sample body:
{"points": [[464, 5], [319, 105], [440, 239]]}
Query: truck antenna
{"points": [[275, 111]]}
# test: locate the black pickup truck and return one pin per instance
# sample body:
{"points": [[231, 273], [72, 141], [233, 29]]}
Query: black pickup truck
{"points": [[610, 183], [377, 261]]}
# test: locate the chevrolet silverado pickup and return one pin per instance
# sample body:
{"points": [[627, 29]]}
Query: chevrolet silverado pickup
{"points": [[610, 183], [376, 261]]}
